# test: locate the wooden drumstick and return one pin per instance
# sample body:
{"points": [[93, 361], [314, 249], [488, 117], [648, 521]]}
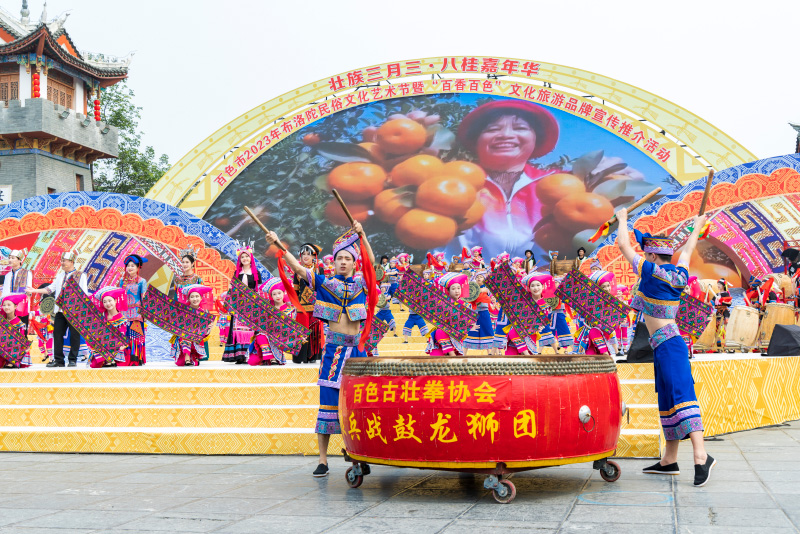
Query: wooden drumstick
{"points": [[344, 207], [603, 230], [263, 228], [707, 192]]}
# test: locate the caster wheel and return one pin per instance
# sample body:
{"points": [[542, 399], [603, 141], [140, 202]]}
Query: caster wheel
{"points": [[505, 492], [611, 472], [353, 480]]}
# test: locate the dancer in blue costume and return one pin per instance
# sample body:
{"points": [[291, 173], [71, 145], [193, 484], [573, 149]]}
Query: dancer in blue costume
{"points": [[341, 302], [658, 297]]}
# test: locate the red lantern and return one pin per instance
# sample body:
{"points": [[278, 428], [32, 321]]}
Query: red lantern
{"points": [[96, 103]]}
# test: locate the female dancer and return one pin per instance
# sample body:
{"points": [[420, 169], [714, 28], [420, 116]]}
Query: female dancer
{"points": [[262, 350], [110, 300], [481, 336], [311, 349], [344, 303], [184, 351], [239, 337], [135, 287], [658, 297], [538, 283], [441, 344], [15, 306]]}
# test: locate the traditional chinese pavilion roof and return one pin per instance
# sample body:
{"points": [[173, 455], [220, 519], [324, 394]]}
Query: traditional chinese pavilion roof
{"points": [[49, 38]]}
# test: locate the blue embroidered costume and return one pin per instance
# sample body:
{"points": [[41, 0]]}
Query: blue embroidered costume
{"points": [[335, 296], [659, 294]]}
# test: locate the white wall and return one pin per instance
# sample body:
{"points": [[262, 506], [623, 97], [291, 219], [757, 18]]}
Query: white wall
{"points": [[77, 102], [25, 84]]}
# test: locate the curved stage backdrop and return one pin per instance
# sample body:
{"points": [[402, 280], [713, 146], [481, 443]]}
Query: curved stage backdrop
{"points": [[433, 162]]}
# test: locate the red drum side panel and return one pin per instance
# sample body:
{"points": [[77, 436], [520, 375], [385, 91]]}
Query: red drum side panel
{"points": [[478, 421]]}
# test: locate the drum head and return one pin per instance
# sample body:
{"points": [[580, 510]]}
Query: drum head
{"points": [[47, 305], [553, 302], [380, 273], [382, 300], [474, 292]]}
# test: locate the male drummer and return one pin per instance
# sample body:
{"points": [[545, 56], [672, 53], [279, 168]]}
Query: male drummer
{"points": [[658, 298]]}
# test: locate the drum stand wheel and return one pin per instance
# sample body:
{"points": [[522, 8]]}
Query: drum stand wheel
{"points": [[503, 491], [610, 471], [355, 474]]}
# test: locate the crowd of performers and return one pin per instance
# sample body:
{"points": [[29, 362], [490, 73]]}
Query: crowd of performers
{"points": [[337, 297]]}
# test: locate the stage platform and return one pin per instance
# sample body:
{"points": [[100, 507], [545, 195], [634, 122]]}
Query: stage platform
{"points": [[221, 408]]}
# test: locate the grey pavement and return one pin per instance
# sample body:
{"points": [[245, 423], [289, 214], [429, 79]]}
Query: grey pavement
{"points": [[754, 488]]}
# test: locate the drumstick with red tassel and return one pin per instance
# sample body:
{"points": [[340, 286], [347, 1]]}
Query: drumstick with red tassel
{"points": [[603, 230], [263, 228], [704, 204], [369, 278]]}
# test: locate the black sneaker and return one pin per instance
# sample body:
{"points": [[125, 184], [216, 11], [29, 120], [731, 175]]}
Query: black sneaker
{"points": [[703, 472], [72, 364], [658, 469], [321, 471], [54, 364]]}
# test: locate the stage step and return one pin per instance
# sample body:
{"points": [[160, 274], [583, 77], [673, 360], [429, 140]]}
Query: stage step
{"points": [[300, 417], [216, 408]]}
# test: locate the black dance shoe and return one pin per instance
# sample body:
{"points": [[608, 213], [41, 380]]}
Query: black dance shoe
{"points": [[703, 472], [658, 469]]}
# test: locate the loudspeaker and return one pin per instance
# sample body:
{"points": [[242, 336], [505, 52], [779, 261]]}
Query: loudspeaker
{"points": [[640, 350], [785, 341]]}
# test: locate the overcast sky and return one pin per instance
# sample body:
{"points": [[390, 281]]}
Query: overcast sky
{"points": [[200, 64]]}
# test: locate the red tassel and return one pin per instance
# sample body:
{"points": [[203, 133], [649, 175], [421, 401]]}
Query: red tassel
{"points": [[372, 294], [601, 232], [433, 262], [465, 254], [286, 284]]}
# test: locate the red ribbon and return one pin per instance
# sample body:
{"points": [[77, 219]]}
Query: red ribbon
{"points": [[286, 284], [601, 232], [372, 294]]}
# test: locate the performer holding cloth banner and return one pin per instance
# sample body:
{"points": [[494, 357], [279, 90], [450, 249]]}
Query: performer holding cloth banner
{"points": [[83, 315]]}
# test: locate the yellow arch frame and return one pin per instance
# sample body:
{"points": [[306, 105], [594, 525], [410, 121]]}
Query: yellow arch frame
{"points": [[697, 144]]}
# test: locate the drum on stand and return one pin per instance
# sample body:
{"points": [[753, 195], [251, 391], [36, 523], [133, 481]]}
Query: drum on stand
{"points": [[774, 314], [742, 330], [785, 283], [708, 339]]}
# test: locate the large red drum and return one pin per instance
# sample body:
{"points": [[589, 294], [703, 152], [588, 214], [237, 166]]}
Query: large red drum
{"points": [[484, 414]]}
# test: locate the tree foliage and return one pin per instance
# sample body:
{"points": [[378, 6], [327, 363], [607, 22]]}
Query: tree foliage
{"points": [[137, 168]]}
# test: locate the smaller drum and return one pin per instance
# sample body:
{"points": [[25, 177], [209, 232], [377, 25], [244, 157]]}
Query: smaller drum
{"points": [[708, 339], [742, 329], [785, 283], [775, 313], [559, 267]]}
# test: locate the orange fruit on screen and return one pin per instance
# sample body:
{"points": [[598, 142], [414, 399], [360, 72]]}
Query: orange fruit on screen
{"points": [[357, 180], [467, 170], [401, 136], [553, 188], [424, 230], [390, 205], [446, 195], [473, 216], [416, 170], [335, 214], [581, 211]]}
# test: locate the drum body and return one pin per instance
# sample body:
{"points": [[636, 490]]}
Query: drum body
{"points": [[742, 329], [774, 314], [480, 414]]}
